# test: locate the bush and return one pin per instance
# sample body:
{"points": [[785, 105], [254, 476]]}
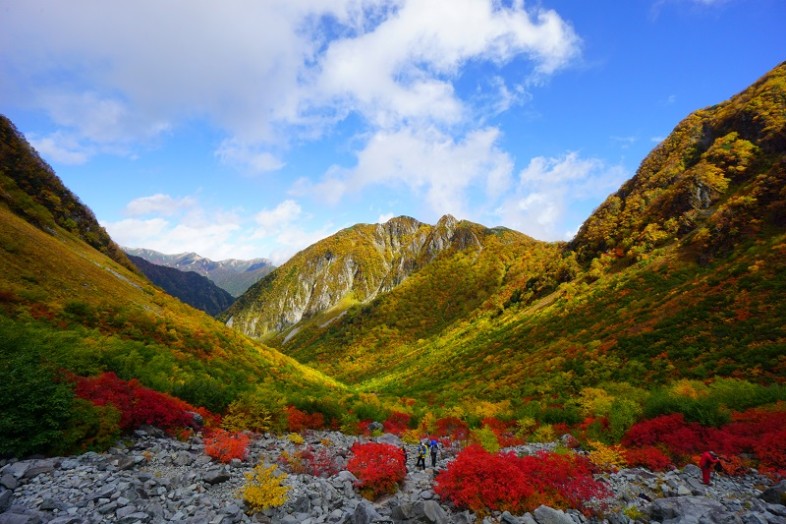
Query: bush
{"points": [[137, 404], [484, 482], [264, 488], [225, 446], [298, 421], [35, 406], [397, 423], [379, 468], [648, 457]]}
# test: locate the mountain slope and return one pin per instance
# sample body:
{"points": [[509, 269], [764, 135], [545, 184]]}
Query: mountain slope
{"points": [[80, 311], [232, 275], [679, 274], [31, 189], [193, 289], [719, 174], [351, 267]]}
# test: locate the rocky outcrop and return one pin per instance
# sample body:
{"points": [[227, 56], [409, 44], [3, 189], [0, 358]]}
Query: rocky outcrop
{"points": [[151, 478], [358, 263]]}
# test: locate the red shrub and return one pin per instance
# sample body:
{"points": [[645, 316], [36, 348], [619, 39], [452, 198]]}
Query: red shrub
{"points": [[679, 437], [225, 446], [453, 428], [504, 431], [379, 468], [483, 482], [648, 457], [299, 421], [322, 462], [137, 404], [397, 422]]}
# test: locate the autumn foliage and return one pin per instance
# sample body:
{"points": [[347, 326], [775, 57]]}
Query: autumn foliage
{"points": [[137, 404], [225, 446], [298, 421], [483, 482], [379, 468]]}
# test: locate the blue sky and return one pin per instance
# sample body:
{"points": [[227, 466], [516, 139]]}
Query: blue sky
{"points": [[246, 129]]}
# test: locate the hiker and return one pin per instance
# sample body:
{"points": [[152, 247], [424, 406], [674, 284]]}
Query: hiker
{"points": [[707, 463], [422, 449], [434, 446]]}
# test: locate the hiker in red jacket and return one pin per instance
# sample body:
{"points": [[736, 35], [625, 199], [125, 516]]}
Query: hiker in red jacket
{"points": [[707, 463]]}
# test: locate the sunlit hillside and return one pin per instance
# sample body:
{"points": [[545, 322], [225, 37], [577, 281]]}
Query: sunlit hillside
{"points": [[680, 274]]}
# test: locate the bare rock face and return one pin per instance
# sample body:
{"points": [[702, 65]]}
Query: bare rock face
{"points": [[356, 264]]}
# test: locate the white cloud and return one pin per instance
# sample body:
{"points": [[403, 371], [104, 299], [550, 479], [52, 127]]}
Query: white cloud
{"points": [[259, 161], [551, 190], [435, 168], [61, 148], [385, 217], [272, 220], [116, 73], [159, 204]]}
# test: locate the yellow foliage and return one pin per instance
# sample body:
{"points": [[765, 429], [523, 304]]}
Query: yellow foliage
{"points": [[411, 436], [544, 433], [264, 488], [428, 424], [595, 402], [525, 426], [606, 458], [692, 389], [484, 409], [295, 438], [486, 438]]}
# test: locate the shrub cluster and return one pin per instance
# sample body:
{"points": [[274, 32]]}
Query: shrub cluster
{"points": [[484, 482], [264, 488], [379, 468], [137, 404], [225, 446]]}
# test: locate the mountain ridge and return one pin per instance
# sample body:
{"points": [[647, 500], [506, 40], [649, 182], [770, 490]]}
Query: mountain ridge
{"points": [[234, 276], [189, 286]]}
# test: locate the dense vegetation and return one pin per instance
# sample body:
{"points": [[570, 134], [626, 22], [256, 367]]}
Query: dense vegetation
{"points": [[659, 330]]}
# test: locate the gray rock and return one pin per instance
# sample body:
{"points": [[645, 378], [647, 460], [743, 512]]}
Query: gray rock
{"points": [[184, 458], [434, 513], [17, 469], [18, 518], [365, 513], [775, 494], [6, 496], [547, 515], [684, 509], [215, 476], [9, 481], [507, 518]]}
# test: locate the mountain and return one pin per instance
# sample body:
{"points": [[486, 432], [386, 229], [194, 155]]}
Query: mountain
{"points": [[234, 276], [351, 267], [71, 303], [678, 275], [190, 287], [30, 188]]}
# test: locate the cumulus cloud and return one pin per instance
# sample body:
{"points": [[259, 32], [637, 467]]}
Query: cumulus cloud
{"points": [[284, 66], [159, 204], [61, 148], [271, 220], [432, 165], [551, 189]]}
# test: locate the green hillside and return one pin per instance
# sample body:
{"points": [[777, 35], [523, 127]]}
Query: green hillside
{"points": [[680, 274], [68, 308]]}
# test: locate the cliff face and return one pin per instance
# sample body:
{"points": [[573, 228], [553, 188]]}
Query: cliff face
{"points": [[353, 266]]}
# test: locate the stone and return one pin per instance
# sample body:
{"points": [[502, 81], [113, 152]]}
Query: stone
{"points": [[547, 515], [507, 518], [775, 494], [215, 476], [18, 518], [365, 513], [5, 499], [434, 512], [9, 481], [691, 508]]}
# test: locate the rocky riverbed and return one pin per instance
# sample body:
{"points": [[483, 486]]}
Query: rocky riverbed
{"points": [[151, 478]]}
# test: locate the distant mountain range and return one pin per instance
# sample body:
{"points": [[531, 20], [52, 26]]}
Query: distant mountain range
{"points": [[233, 276], [189, 286]]}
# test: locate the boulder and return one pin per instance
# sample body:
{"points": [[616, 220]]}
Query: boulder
{"points": [[775, 494], [547, 515], [685, 509]]}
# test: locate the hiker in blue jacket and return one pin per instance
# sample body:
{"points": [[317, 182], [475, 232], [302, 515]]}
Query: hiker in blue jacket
{"points": [[434, 445]]}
